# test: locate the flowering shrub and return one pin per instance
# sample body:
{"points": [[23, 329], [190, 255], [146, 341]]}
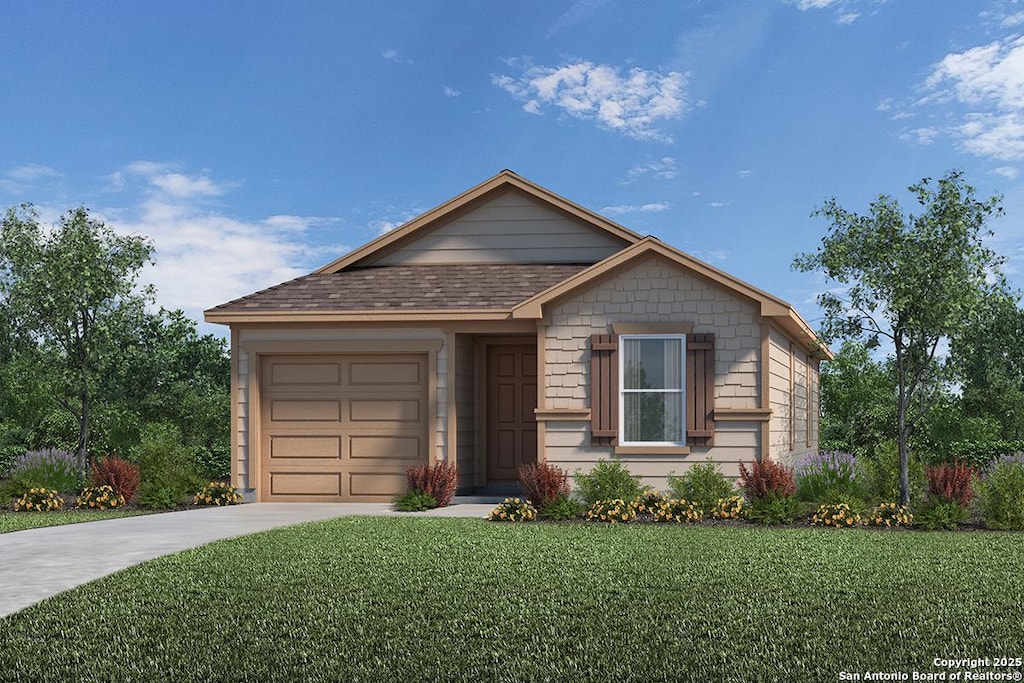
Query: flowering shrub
{"points": [[889, 514], [118, 474], [678, 511], [100, 498], [38, 500], [613, 511], [514, 510], [835, 514], [951, 482], [49, 468], [218, 493], [766, 479], [728, 508], [648, 502], [543, 483], [438, 481]]}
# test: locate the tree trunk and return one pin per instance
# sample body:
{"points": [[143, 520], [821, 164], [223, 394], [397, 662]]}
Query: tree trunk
{"points": [[82, 456], [901, 429]]}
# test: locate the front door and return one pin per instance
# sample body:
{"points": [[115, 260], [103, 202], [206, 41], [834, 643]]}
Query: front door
{"points": [[511, 400]]}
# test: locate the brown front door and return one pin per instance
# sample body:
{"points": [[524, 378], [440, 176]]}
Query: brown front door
{"points": [[511, 400]]}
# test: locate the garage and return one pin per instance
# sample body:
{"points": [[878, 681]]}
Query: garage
{"points": [[341, 428]]}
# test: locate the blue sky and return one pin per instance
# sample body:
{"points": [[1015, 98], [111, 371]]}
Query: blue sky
{"points": [[254, 141]]}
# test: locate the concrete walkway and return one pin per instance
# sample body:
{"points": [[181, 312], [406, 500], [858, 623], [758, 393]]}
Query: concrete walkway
{"points": [[40, 563]]}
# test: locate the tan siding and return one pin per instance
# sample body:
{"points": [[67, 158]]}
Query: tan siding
{"points": [[465, 403], [800, 387], [779, 397], [511, 228]]}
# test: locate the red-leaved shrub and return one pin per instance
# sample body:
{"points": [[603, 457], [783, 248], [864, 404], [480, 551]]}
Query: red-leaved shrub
{"points": [[118, 474], [542, 483], [767, 478], [952, 482], [438, 481]]}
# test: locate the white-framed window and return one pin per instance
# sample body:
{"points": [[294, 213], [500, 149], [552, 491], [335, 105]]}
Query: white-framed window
{"points": [[652, 381]]}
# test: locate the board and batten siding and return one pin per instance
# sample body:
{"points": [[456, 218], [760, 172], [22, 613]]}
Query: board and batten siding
{"points": [[510, 228], [653, 291], [793, 397], [242, 389]]}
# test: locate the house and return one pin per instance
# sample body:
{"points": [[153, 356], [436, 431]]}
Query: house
{"points": [[506, 326]]}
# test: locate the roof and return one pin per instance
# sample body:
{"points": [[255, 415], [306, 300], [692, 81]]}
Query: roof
{"points": [[403, 288]]}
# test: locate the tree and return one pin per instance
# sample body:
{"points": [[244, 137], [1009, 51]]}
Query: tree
{"points": [[63, 287], [857, 399], [910, 281]]}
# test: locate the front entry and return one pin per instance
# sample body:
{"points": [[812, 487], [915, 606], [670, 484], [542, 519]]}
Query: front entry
{"points": [[511, 400]]}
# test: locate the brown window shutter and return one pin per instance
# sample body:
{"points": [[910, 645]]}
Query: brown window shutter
{"points": [[700, 389], [604, 390]]}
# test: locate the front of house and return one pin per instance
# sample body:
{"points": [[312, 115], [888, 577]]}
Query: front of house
{"points": [[504, 327]]}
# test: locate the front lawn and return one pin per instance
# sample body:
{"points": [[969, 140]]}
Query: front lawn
{"points": [[18, 521], [430, 599]]}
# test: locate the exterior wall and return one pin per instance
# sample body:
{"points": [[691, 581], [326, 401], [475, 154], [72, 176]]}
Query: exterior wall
{"points": [[511, 228], [466, 414], [244, 390], [794, 399], [654, 291]]}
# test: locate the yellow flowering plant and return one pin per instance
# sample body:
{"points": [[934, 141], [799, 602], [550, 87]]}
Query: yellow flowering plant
{"points": [[217, 493], [728, 508], [514, 510], [890, 515], [100, 498], [648, 502], [837, 515], [38, 499], [679, 511], [613, 511]]}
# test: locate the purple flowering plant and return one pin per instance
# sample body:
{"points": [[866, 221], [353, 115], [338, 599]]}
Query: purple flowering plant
{"points": [[828, 475], [48, 468]]}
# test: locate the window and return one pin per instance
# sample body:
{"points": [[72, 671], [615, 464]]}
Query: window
{"points": [[652, 400]]}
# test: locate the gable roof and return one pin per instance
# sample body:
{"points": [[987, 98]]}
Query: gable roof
{"points": [[502, 182]]}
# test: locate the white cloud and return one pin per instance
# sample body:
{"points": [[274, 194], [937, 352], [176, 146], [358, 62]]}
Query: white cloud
{"points": [[450, 91], [804, 5], [717, 204], [28, 173], [633, 104], [886, 104], [923, 136], [985, 85], [1008, 172], [847, 18], [389, 54], [1012, 20], [744, 173], [581, 10], [620, 209], [664, 168], [710, 255], [179, 185]]}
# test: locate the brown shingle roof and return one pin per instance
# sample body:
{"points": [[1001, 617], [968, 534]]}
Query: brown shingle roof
{"points": [[428, 287]]}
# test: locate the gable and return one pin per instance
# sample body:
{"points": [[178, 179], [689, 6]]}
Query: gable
{"points": [[509, 227]]}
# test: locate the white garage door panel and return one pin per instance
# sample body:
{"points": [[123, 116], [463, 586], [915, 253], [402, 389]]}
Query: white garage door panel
{"points": [[341, 428]]}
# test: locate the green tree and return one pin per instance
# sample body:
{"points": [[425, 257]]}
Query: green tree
{"points": [[857, 399], [63, 287], [910, 281]]}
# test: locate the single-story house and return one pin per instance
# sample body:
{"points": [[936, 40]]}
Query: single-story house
{"points": [[507, 326]]}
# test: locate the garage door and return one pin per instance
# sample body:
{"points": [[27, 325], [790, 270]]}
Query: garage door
{"points": [[341, 428]]}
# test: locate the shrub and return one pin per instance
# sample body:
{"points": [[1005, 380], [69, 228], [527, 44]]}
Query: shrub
{"points": [[774, 509], [728, 508], [836, 515], [703, 484], [514, 510], [983, 453], [562, 508], [543, 483], [49, 468], [154, 496], [608, 480], [439, 481], [829, 477], [100, 498], [38, 499], [678, 511], [118, 474], [649, 501], [951, 482], [612, 511], [1001, 494], [889, 514], [213, 462], [166, 467], [766, 479], [415, 501], [880, 474], [939, 514], [217, 493]]}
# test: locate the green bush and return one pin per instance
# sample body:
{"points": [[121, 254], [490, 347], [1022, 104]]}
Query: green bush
{"points": [[49, 468], [1000, 494], [880, 474], [981, 453], [167, 468], [608, 480], [563, 508], [213, 462], [702, 484], [774, 509], [514, 510], [415, 501], [939, 514]]}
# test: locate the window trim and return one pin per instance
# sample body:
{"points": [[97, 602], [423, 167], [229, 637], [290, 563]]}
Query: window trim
{"points": [[622, 391]]}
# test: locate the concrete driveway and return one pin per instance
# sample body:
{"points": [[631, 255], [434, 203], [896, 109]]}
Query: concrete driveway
{"points": [[40, 563]]}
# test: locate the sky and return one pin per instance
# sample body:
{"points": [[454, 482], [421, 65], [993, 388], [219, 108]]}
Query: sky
{"points": [[253, 142]]}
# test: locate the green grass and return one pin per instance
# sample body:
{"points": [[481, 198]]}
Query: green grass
{"points": [[427, 599], [18, 521]]}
